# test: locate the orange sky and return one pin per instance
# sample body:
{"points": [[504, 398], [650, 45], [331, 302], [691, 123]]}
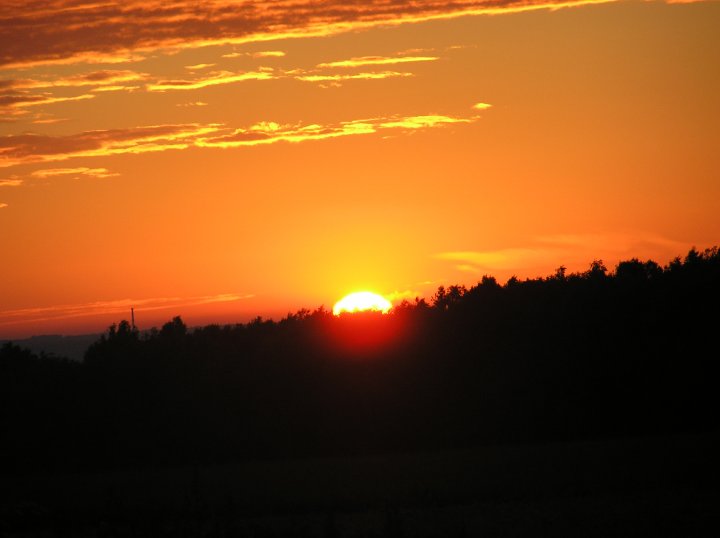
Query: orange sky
{"points": [[226, 159]]}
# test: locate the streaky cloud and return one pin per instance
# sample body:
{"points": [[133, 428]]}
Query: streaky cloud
{"points": [[69, 31], [214, 79], [118, 306], [378, 60], [34, 148], [76, 172], [355, 76]]}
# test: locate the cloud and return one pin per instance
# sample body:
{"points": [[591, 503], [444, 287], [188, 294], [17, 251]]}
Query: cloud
{"points": [[377, 60], [34, 148], [422, 122], [270, 133], [82, 171], [478, 261], [481, 106], [20, 93], [355, 76], [48, 121], [115, 88], [67, 31], [11, 182], [20, 99], [197, 67], [2, 205], [396, 296], [258, 54], [118, 307], [576, 251], [95, 78], [213, 79], [268, 54], [192, 104]]}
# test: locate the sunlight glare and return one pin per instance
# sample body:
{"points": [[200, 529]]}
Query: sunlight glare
{"points": [[360, 301]]}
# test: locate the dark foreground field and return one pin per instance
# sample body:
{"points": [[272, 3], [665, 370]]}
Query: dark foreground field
{"points": [[650, 486]]}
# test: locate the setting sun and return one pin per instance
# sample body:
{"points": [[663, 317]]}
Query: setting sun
{"points": [[360, 301]]}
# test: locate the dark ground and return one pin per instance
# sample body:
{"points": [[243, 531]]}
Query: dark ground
{"points": [[649, 486]]}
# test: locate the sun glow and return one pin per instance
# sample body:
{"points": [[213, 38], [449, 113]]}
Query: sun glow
{"points": [[361, 301]]}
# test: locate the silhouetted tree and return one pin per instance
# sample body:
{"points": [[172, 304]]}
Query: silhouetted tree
{"points": [[576, 355]]}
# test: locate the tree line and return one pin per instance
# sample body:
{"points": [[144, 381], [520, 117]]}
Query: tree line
{"points": [[631, 351]]}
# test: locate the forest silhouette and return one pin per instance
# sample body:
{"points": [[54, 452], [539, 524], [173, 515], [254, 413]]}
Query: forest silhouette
{"points": [[596, 354]]}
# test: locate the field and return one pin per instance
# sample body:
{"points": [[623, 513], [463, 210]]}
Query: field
{"points": [[648, 486]]}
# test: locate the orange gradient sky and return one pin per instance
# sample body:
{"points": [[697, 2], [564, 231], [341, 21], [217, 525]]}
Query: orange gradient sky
{"points": [[226, 159]]}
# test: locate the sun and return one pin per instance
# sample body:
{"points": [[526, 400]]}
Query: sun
{"points": [[360, 301]]}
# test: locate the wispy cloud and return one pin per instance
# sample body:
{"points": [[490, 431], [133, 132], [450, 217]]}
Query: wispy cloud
{"points": [[355, 76], [481, 106], [575, 251], [213, 79], [478, 261], [271, 133], [422, 122], [12, 182], [258, 54], [95, 78], [14, 99], [66, 31], [75, 172], [2, 205], [48, 121], [34, 148], [117, 307], [378, 60], [192, 104], [198, 67], [268, 54], [19, 93]]}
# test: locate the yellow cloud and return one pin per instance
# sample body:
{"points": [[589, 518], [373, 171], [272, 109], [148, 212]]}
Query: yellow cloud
{"points": [[41, 120], [114, 88], [260, 54], [268, 54], [32, 148], [222, 77], [194, 103], [271, 132], [149, 26], [197, 67], [421, 122], [378, 60], [356, 76], [12, 182], [89, 172], [481, 106], [94, 78], [27, 100]]}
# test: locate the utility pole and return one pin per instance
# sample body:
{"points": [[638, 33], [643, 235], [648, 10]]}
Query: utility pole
{"points": [[132, 318]]}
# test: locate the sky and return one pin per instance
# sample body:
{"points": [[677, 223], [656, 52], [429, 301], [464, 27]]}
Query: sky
{"points": [[221, 160]]}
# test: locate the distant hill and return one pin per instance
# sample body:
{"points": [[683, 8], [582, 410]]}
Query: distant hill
{"points": [[71, 347]]}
